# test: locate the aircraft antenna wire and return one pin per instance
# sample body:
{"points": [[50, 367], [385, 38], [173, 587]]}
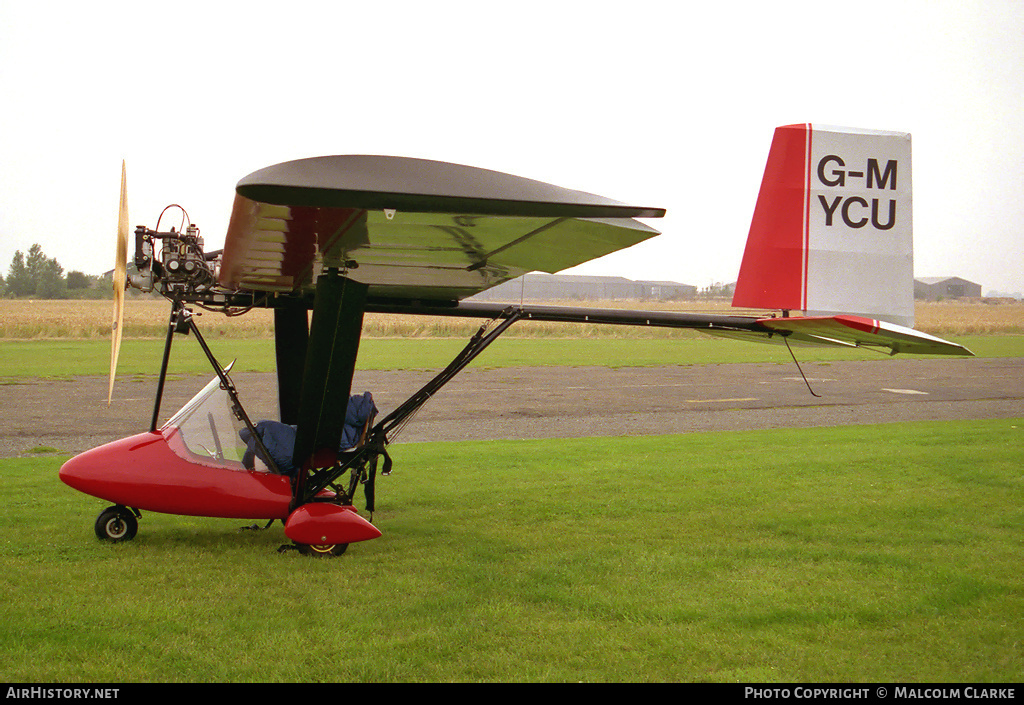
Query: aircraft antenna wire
{"points": [[400, 427], [785, 339]]}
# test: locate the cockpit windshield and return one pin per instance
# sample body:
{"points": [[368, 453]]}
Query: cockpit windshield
{"points": [[208, 426]]}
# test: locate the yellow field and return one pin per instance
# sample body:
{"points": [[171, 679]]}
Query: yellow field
{"points": [[147, 318]]}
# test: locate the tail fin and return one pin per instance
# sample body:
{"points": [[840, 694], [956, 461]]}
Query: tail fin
{"points": [[832, 231]]}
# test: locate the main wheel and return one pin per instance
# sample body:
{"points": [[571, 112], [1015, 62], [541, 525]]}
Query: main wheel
{"points": [[116, 524], [322, 551]]}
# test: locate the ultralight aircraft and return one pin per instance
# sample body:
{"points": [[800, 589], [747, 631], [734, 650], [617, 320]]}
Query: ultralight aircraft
{"points": [[831, 239]]}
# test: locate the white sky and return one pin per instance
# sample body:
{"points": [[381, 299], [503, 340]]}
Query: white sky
{"points": [[668, 104]]}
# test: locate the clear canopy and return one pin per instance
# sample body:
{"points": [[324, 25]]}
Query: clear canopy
{"points": [[208, 426]]}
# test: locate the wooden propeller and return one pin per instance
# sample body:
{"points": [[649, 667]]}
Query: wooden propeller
{"points": [[120, 275]]}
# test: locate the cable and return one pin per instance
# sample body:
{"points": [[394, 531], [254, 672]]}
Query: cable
{"points": [[184, 218]]}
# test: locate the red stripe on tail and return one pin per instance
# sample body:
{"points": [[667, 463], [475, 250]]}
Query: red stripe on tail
{"points": [[773, 272], [807, 217]]}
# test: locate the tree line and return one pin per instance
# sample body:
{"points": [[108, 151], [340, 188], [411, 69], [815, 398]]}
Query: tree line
{"points": [[36, 275]]}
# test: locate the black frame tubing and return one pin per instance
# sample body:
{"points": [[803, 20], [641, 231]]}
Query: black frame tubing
{"points": [[176, 306], [227, 385], [377, 438], [476, 345], [181, 314]]}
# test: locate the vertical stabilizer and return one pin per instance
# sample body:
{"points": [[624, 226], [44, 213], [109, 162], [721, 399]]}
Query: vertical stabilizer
{"points": [[832, 231]]}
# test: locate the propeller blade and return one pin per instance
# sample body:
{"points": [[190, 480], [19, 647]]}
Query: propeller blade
{"points": [[120, 275]]}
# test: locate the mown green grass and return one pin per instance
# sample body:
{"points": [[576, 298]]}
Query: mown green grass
{"points": [[67, 358], [886, 553]]}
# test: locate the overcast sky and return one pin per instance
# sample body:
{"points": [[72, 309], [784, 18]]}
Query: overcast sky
{"points": [[668, 104]]}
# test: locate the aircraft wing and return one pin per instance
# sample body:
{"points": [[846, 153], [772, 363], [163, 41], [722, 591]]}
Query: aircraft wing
{"points": [[413, 228]]}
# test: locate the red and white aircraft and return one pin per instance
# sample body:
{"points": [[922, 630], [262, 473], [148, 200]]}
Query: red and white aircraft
{"points": [[831, 239]]}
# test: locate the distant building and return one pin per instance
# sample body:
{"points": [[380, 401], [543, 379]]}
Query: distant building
{"points": [[538, 286], [936, 288], [668, 291]]}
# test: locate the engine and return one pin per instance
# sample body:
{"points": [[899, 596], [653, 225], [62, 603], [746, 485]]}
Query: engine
{"points": [[181, 269]]}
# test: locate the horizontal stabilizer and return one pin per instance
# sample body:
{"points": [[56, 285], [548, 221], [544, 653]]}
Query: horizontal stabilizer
{"points": [[862, 333]]}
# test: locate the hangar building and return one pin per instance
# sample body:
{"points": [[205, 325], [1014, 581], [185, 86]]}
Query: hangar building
{"points": [[936, 288], [538, 286]]}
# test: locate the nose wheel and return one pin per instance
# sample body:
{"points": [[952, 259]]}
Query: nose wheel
{"points": [[323, 551], [116, 524], [317, 551]]}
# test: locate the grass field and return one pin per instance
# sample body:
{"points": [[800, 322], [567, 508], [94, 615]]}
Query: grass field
{"points": [[716, 557], [705, 557]]}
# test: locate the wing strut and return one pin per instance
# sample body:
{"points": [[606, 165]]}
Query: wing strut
{"points": [[480, 340]]}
